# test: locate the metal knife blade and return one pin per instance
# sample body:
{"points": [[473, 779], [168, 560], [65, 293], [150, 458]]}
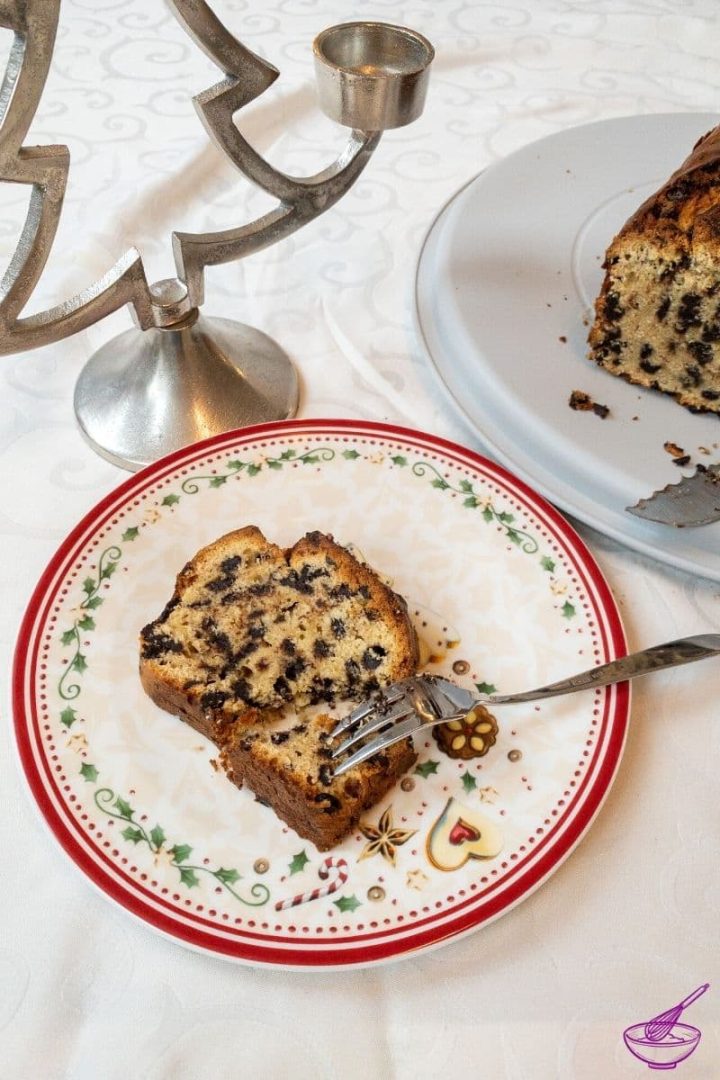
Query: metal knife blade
{"points": [[695, 500]]}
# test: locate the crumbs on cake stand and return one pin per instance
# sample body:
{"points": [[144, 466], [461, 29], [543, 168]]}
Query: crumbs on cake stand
{"points": [[582, 402]]}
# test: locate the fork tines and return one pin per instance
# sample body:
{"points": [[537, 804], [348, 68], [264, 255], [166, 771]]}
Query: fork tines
{"points": [[393, 734], [396, 713]]}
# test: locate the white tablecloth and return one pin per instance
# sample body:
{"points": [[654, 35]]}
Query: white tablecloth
{"points": [[629, 924]]}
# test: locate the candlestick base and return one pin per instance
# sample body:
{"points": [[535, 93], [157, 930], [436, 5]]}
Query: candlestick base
{"points": [[147, 393]]}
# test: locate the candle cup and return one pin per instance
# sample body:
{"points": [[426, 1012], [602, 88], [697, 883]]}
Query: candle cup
{"points": [[372, 76]]}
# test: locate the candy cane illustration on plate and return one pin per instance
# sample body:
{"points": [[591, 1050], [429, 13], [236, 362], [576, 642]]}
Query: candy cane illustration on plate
{"points": [[329, 864]]}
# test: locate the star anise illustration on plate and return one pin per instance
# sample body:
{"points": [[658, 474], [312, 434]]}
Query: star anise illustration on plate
{"points": [[383, 838]]}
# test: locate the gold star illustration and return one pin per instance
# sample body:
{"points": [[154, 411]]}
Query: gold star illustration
{"points": [[488, 794], [383, 838], [415, 879]]}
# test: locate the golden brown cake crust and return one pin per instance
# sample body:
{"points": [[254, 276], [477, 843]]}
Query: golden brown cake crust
{"points": [[253, 627], [657, 317]]}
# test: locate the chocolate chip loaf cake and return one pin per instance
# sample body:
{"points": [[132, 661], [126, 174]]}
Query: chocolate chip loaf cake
{"points": [[657, 318], [291, 770], [252, 627]]}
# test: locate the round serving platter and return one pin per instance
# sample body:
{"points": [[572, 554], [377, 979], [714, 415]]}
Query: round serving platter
{"points": [[505, 286], [503, 593]]}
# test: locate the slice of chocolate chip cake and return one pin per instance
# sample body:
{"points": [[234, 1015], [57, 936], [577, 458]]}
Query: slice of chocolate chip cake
{"points": [[251, 628], [657, 318], [291, 770]]}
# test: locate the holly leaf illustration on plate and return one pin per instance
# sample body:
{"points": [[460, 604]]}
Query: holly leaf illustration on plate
{"points": [[157, 836], [131, 533], [88, 772], [347, 903], [568, 610], [170, 500], [228, 877], [427, 768], [298, 862], [188, 876], [123, 808], [486, 687], [468, 781], [547, 563], [133, 833], [68, 717], [180, 852]]}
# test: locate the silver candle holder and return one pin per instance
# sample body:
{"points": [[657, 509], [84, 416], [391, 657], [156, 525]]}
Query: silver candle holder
{"points": [[179, 376]]}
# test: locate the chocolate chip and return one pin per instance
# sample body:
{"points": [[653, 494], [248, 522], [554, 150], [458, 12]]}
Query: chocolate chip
{"points": [[331, 802], [688, 312], [372, 658], [156, 644], [325, 775], [242, 690], [663, 309], [352, 670], [282, 688], [701, 351], [338, 628], [295, 669], [613, 310], [221, 583], [214, 699]]}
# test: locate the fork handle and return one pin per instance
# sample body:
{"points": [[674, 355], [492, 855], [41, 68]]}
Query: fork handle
{"points": [[671, 654]]}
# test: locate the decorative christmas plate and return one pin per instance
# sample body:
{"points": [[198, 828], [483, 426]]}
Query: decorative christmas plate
{"points": [[503, 594]]}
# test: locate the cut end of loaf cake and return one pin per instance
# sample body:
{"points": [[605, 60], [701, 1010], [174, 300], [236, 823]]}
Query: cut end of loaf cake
{"points": [[657, 318], [252, 628], [291, 770]]}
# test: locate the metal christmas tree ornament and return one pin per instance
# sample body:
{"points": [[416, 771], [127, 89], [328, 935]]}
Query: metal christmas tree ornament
{"points": [[179, 376]]}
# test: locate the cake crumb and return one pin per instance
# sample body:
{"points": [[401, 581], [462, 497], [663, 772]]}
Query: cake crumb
{"points": [[582, 402], [673, 449], [563, 339]]}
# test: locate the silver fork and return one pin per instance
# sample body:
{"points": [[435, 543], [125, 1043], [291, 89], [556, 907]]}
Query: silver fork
{"points": [[424, 700]]}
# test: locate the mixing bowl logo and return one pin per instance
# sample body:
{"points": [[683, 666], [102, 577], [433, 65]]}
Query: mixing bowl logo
{"points": [[663, 1042]]}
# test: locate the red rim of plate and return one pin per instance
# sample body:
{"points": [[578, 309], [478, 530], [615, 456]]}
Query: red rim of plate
{"points": [[273, 950]]}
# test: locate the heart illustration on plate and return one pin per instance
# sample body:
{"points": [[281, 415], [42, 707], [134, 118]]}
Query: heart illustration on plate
{"points": [[459, 834]]}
